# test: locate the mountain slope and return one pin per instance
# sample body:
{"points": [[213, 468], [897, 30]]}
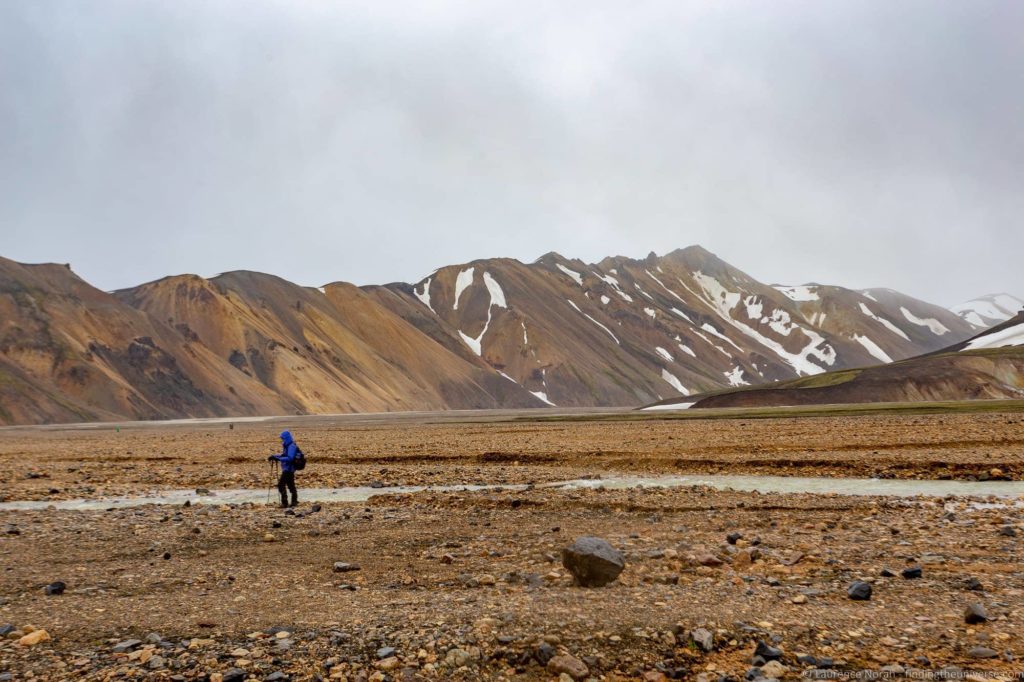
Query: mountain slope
{"points": [[627, 330], [491, 333], [990, 365], [329, 350]]}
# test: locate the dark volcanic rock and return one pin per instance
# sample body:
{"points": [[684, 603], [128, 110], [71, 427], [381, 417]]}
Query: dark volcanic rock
{"points": [[592, 561], [55, 588], [859, 591], [768, 653], [911, 573]]}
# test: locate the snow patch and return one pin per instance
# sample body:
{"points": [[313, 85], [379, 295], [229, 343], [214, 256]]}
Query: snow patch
{"points": [[681, 314], [605, 299], [651, 313], [463, 280], [640, 289], [754, 307], [1011, 336], [497, 298], [886, 323], [424, 295], [711, 330], [722, 298], [872, 348], [735, 377], [671, 406], [609, 331], [497, 294], [934, 325], [543, 396], [989, 310], [663, 353], [799, 293], [673, 381], [577, 277], [686, 349]]}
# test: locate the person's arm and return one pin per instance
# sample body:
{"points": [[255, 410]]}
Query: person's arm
{"points": [[289, 453], [281, 456]]}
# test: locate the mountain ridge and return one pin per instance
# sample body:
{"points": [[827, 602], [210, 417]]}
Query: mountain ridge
{"points": [[493, 332]]}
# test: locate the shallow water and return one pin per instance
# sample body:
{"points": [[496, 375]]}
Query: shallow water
{"points": [[763, 484]]}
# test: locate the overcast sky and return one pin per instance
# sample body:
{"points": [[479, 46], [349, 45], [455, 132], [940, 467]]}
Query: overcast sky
{"points": [[854, 143]]}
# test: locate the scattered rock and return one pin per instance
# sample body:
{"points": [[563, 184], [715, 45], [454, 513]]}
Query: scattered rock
{"points": [[34, 637], [568, 665], [234, 675], [911, 573], [267, 537], [703, 638], [975, 614], [859, 591], [544, 652], [773, 669], [385, 652], [125, 646], [592, 561], [708, 559], [766, 652], [342, 567], [55, 588], [982, 652]]}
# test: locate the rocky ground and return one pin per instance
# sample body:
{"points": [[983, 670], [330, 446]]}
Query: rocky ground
{"points": [[90, 462], [472, 586]]}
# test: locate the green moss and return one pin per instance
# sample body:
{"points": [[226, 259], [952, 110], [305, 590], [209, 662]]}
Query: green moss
{"points": [[852, 410], [821, 380]]}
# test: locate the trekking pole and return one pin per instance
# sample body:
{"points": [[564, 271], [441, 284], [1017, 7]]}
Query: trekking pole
{"points": [[270, 484]]}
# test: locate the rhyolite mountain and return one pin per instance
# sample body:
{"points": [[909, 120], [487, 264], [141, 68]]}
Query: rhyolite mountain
{"points": [[487, 334]]}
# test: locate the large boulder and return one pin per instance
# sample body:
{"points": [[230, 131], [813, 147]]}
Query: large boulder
{"points": [[592, 561]]}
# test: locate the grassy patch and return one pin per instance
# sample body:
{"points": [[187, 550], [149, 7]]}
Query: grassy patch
{"points": [[851, 410]]}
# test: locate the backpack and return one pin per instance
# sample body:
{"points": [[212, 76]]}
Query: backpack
{"points": [[300, 459]]}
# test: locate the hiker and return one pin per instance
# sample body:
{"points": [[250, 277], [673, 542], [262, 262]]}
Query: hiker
{"points": [[291, 460]]}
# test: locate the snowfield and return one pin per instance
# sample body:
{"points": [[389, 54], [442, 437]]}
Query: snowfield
{"points": [[724, 301], [986, 311]]}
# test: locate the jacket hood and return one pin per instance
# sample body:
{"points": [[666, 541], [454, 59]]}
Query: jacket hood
{"points": [[286, 437]]}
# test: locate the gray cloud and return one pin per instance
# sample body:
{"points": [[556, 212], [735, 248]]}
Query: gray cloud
{"points": [[857, 143]]}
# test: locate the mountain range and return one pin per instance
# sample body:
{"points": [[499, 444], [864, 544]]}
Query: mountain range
{"points": [[486, 334]]}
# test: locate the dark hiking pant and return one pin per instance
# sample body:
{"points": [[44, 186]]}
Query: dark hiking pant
{"points": [[287, 483]]}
